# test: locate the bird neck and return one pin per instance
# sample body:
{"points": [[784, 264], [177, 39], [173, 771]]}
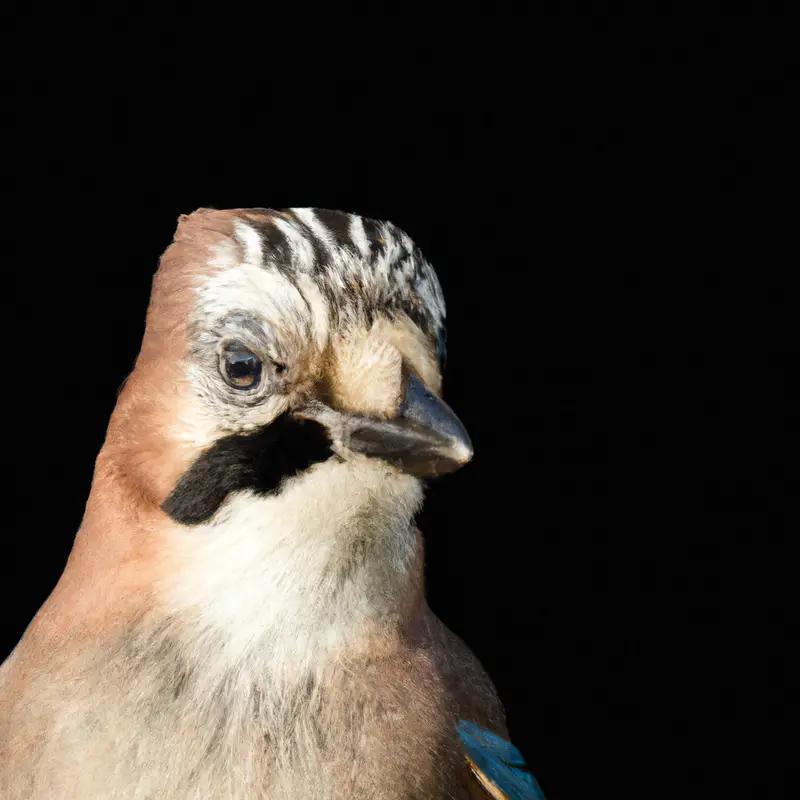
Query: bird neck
{"points": [[330, 565]]}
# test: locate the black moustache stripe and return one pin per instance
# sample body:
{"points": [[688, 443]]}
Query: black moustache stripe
{"points": [[259, 461]]}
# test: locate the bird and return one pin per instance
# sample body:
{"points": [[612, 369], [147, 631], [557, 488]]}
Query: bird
{"points": [[242, 614]]}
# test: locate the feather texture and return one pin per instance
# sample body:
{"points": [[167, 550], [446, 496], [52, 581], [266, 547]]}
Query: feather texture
{"points": [[243, 613], [497, 764]]}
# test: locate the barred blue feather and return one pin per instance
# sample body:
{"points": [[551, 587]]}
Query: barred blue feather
{"points": [[497, 764]]}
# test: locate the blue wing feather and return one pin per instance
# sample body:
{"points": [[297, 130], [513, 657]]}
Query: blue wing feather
{"points": [[499, 761]]}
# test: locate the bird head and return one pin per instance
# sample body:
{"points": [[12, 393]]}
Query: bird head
{"points": [[279, 344]]}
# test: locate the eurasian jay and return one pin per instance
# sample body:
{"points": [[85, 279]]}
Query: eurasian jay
{"points": [[242, 614]]}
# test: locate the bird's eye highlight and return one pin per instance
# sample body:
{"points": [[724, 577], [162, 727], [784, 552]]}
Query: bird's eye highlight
{"points": [[241, 367]]}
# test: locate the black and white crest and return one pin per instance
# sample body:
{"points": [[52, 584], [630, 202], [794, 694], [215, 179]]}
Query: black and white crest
{"points": [[361, 266]]}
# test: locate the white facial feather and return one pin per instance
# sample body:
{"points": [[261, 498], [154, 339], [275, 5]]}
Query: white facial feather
{"points": [[318, 308], [296, 577], [249, 287], [308, 216], [250, 242], [359, 236], [302, 250]]}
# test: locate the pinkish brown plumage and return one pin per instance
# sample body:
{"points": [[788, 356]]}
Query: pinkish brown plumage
{"points": [[242, 614]]}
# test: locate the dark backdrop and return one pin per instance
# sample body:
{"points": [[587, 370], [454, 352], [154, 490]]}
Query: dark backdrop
{"points": [[608, 203]]}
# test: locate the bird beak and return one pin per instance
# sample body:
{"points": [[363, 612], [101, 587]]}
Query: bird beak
{"points": [[425, 439]]}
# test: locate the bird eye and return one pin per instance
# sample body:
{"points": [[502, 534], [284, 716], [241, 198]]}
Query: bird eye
{"points": [[241, 367]]}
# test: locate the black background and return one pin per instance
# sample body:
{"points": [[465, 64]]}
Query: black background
{"points": [[610, 203]]}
